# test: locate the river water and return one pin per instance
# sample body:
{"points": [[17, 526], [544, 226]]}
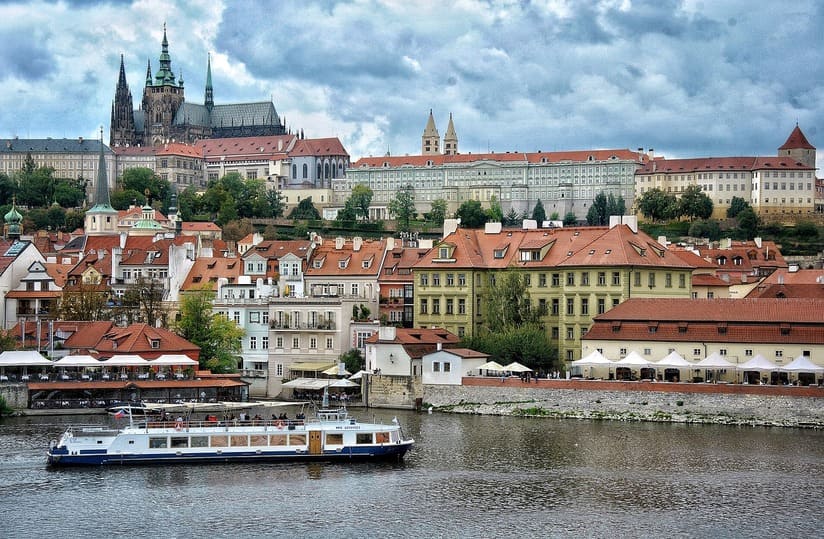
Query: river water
{"points": [[467, 476]]}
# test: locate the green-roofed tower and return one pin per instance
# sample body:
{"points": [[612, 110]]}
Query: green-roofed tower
{"points": [[101, 219]]}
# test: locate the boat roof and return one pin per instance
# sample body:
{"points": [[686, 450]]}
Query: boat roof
{"points": [[194, 406]]}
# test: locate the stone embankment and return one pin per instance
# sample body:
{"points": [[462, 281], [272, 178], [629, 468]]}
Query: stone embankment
{"points": [[775, 406]]}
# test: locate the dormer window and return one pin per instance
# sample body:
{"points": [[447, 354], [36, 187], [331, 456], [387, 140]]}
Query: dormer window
{"points": [[443, 252], [154, 343]]}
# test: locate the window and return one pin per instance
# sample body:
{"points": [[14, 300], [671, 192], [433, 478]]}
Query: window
{"points": [[436, 366], [424, 279], [637, 278], [556, 279], [447, 366], [570, 303], [651, 280], [254, 317], [450, 279], [682, 281], [264, 343], [570, 279], [279, 342], [436, 306], [722, 352], [602, 278], [461, 306], [779, 353], [602, 308], [585, 278], [584, 306], [616, 278], [253, 343], [748, 352], [355, 289], [328, 343], [696, 351], [622, 352], [424, 306], [436, 279], [313, 343], [668, 280], [570, 333], [542, 280], [556, 307], [295, 342], [449, 306], [236, 317], [461, 279], [647, 351]]}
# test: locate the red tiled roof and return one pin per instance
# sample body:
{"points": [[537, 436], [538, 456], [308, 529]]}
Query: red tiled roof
{"points": [[661, 165], [788, 291], [796, 140], [704, 279], [533, 157], [183, 150], [199, 226], [138, 339], [206, 271], [718, 310], [467, 353], [261, 146], [370, 251], [318, 147], [86, 334], [417, 336]]}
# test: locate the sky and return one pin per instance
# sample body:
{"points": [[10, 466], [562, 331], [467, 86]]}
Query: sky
{"points": [[687, 78]]}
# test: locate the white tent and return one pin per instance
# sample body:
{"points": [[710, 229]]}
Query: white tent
{"points": [[593, 359], [633, 359], [517, 367], [318, 383], [714, 361], [78, 361], [491, 366], [674, 360], [336, 370], [758, 363], [23, 358], [125, 360], [358, 375], [174, 359], [802, 364], [343, 382]]}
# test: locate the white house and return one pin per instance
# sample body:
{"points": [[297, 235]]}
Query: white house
{"points": [[447, 367]]}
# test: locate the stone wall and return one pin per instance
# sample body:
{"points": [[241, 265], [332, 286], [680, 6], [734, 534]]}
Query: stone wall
{"points": [[387, 391], [682, 407], [16, 395]]}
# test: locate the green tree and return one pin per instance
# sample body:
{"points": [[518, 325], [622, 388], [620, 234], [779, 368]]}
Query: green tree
{"points": [[188, 203], [360, 200], [304, 210], [353, 360], [695, 203], [8, 188], [598, 215], [237, 230], [217, 336], [143, 302], [121, 200], [437, 211], [471, 214], [402, 207], [570, 219], [270, 233], [705, 228], [495, 213], [36, 187], [74, 220], [512, 218], [539, 213], [84, 302], [555, 216], [737, 205], [806, 230], [747, 223], [507, 302], [143, 180], [658, 205], [276, 203], [56, 217]]}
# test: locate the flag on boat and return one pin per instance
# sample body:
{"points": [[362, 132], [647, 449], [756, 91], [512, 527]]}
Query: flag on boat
{"points": [[120, 414]]}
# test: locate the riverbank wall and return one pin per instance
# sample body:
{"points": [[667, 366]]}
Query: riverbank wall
{"points": [[674, 403]]}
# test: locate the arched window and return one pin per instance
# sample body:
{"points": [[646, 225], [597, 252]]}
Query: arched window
{"points": [[305, 171], [320, 172], [294, 171], [326, 170]]}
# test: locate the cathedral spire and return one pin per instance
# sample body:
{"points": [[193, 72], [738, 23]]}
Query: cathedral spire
{"points": [[121, 79], [430, 140], [165, 76], [210, 99], [121, 128], [101, 197], [148, 72], [450, 139]]}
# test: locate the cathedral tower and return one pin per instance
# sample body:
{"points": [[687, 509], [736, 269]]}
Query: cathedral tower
{"points": [[431, 140], [450, 139], [122, 131], [161, 99]]}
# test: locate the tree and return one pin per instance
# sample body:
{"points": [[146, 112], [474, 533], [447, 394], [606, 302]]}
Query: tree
{"points": [[217, 336], [237, 230], [570, 219], [747, 223], [121, 200], [270, 233], [512, 218], [360, 200], [737, 205], [353, 360], [74, 220], [597, 214], [8, 188], [495, 213], [471, 214], [437, 210], [538, 212], [276, 203], [304, 210], [507, 302], [144, 181], [143, 302], [555, 216], [658, 205], [695, 203], [7, 340], [708, 228], [402, 207], [84, 302]]}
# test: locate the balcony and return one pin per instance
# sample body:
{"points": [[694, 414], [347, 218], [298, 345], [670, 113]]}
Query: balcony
{"points": [[241, 301], [319, 326]]}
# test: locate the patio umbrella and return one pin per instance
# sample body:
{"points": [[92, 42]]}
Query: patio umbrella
{"points": [[336, 371]]}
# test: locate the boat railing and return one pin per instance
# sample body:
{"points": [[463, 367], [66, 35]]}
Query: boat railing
{"points": [[187, 424]]}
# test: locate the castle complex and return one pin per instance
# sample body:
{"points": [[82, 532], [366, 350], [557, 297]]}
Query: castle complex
{"points": [[165, 116]]}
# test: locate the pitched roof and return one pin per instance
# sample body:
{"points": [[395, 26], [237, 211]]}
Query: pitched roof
{"points": [[206, 272], [318, 147], [85, 335], [180, 149], [271, 145], [197, 226], [145, 340], [796, 140], [348, 261], [504, 157], [718, 310], [661, 165]]}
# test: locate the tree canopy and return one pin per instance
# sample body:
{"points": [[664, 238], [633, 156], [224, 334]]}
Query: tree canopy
{"points": [[437, 211], [402, 207], [304, 210], [538, 212], [217, 336], [604, 206], [737, 205], [471, 214], [694, 203], [657, 205]]}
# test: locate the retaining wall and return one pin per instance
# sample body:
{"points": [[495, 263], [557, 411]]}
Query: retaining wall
{"points": [[16, 395]]}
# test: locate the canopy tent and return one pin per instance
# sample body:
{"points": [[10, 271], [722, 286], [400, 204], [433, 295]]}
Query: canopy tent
{"points": [[125, 360], [492, 366], [78, 361], [758, 363], [714, 361], [633, 359], [358, 375], [343, 382], [318, 383], [311, 366], [336, 370], [174, 360], [593, 359], [802, 364], [23, 358], [673, 360], [517, 367]]}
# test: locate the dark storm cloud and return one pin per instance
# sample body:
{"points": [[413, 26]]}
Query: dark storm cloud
{"points": [[25, 54]]}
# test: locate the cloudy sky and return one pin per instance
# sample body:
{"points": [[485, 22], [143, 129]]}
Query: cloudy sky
{"points": [[688, 78]]}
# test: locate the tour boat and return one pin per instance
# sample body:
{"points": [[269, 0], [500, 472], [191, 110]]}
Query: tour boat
{"points": [[332, 434]]}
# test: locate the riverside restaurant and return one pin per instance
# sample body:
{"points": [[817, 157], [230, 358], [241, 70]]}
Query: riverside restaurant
{"points": [[83, 381]]}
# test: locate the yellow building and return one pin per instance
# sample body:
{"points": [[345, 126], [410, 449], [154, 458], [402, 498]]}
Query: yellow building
{"points": [[573, 274]]}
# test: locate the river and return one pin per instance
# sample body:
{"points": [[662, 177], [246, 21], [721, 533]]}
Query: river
{"points": [[467, 476]]}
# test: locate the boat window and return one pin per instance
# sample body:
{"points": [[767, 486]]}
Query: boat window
{"points": [[199, 441], [157, 443], [381, 437], [363, 438], [277, 439], [238, 440], [297, 439], [220, 441], [334, 438], [257, 439], [180, 441]]}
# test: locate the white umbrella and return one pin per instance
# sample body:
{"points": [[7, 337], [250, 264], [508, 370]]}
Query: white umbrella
{"points": [[492, 366], [343, 382], [334, 370], [125, 360], [174, 359], [358, 375], [23, 358], [714, 361], [517, 367]]}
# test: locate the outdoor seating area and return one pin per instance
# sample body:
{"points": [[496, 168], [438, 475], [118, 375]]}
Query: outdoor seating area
{"points": [[712, 369], [29, 366]]}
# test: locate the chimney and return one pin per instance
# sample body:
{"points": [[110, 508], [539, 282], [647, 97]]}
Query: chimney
{"points": [[439, 346], [651, 154], [339, 241], [357, 243]]}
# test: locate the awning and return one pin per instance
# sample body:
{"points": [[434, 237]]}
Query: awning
{"points": [[78, 361], [125, 360], [23, 358], [311, 366], [335, 371], [318, 383], [173, 359]]}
